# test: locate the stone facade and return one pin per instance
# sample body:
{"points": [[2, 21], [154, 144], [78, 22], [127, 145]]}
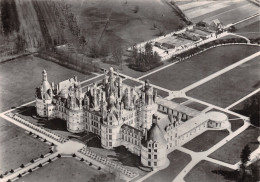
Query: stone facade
{"points": [[147, 125]]}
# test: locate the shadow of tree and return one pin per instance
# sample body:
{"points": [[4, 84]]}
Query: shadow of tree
{"points": [[228, 175]]}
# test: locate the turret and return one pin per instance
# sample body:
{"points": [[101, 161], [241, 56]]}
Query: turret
{"points": [[44, 75]]}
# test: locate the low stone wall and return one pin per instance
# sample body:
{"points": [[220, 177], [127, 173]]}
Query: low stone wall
{"points": [[44, 131]]}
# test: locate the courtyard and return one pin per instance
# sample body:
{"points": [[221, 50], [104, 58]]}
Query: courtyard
{"points": [[189, 71]]}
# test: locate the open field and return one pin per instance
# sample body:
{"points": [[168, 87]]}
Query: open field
{"points": [[206, 140], [197, 67], [178, 160], [17, 147], [63, 169], [30, 26], [247, 22], [231, 86], [20, 77], [129, 23], [226, 11], [250, 31], [237, 13], [206, 171], [230, 152]]}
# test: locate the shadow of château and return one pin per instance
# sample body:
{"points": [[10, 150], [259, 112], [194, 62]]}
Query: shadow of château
{"points": [[54, 124], [118, 154]]}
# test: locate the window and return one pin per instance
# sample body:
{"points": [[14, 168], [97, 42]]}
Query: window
{"points": [[110, 143], [110, 137], [155, 150], [149, 156], [149, 163], [155, 156], [110, 130], [149, 150], [155, 163]]}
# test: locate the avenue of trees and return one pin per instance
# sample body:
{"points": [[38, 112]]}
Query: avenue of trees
{"points": [[145, 60], [210, 44], [9, 17]]}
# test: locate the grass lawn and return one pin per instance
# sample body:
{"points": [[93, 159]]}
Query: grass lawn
{"points": [[130, 22], [17, 147], [132, 83], [206, 171], [197, 106], [63, 169], [250, 31], [162, 93], [236, 123], [20, 77], [231, 151], [240, 106], [179, 100], [231, 86], [178, 160], [206, 140], [198, 67]]}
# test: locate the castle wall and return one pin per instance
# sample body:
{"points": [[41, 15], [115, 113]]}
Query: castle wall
{"points": [[75, 122], [45, 108], [110, 136], [154, 155]]}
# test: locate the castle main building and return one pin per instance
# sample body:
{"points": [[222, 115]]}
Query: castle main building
{"points": [[148, 125]]}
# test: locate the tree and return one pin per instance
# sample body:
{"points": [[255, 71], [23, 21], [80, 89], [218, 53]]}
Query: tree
{"points": [[136, 9], [9, 17], [251, 109], [245, 154]]}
